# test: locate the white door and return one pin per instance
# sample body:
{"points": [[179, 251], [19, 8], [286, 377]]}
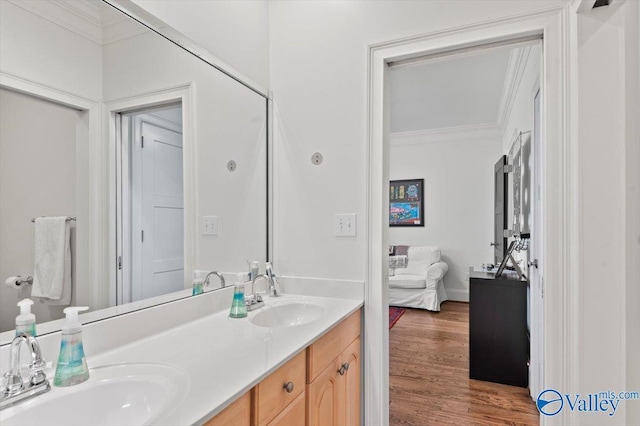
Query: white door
{"points": [[158, 212], [536, 367]]}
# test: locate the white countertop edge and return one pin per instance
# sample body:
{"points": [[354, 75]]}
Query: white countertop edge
{"points": [[268, 372]]}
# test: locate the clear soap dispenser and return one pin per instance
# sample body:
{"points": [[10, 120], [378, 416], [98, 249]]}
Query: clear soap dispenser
{"points": [[26, 321], [72, 365]]}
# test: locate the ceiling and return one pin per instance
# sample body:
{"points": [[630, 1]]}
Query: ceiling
{"points": [[452, 91]]}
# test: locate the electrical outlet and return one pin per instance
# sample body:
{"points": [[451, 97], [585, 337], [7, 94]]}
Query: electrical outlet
{"points": [[345, 225], [210, 225]]}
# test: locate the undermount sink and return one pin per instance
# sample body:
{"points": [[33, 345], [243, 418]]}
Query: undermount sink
{"points": [[288, 315], [120, 394]]}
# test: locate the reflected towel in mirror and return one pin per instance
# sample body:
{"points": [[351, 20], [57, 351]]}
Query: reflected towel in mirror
{"points": [[52, 266]]}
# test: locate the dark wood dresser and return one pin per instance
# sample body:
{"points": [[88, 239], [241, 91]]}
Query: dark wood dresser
{"points": [[498, 336]]}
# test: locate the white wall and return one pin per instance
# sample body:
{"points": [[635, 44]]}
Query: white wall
{"points": [[457, 167], [37, 178], [606, 131], [632, 213], [318, 54], [235, 31], [45, 54], [230, 124]]}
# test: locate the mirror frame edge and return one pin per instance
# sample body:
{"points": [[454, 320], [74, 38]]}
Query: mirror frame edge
{"points": [[161, 28]]}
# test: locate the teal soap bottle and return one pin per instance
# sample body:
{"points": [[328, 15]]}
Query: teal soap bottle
{"points": [[238, 305], [26, 321], [72, 365], [198, 284]]}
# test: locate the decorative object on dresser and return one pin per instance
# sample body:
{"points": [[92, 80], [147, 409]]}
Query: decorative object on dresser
{"points": [[420, 284], [498, 335], [406, 202]]}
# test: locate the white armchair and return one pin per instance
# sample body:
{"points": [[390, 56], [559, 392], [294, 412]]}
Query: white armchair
{"points": [[420, 284]]}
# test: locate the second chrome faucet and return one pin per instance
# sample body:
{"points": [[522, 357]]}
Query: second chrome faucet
{"points": [[255, 299]]}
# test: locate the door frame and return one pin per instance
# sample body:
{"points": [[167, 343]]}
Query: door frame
{"points": [[89, 256], [185, 95], [558, 27]]}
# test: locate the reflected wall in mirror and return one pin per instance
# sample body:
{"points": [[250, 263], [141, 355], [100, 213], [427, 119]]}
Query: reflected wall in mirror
{"points": [[104, 120]]}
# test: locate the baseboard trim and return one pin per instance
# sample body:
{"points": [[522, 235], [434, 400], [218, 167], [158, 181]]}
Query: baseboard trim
{"points": [[458, 295]]}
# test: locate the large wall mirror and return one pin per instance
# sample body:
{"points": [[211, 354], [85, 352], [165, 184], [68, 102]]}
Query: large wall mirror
{"points": [[158, 159]]}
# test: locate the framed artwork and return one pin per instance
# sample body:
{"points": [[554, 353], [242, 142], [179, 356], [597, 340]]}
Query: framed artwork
{"points": [[406, 202]]}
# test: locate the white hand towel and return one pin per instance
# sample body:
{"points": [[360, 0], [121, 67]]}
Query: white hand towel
{"points": [[52, 269]]}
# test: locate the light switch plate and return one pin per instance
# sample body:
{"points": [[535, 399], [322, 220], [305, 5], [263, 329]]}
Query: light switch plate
{"points": [[345, 225], [210, 225]]}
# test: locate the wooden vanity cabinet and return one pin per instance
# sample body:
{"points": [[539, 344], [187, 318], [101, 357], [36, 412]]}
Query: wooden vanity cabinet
{"points": [[237, 414], [333, 394], [320, 386]]}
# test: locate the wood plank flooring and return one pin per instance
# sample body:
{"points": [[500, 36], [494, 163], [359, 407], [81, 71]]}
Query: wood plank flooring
{"points": [[429, 375]]}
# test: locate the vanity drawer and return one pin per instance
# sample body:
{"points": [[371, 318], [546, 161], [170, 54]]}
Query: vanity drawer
{"points": [[271, 395], [322, 352]]}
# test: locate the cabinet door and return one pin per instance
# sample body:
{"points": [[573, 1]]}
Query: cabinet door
{"points": [[238, 413], [351, 379], [323, 398], [293, 414]]}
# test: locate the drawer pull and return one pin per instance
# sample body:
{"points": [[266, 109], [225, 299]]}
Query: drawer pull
{"points": [[346, 365], [288, 387], [342, 370]]}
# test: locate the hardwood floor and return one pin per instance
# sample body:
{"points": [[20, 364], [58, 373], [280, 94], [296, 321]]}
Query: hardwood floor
{"points": [[429, 375]]}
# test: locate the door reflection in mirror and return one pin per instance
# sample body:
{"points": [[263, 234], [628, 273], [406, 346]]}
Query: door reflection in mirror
{"points": [[150, 204]]}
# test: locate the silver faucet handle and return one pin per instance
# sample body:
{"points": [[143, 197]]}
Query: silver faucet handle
{"points": [[36, 369], [11, 382]]}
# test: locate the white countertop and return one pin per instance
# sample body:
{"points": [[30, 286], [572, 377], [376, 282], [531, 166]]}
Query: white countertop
{"points": [[222, 357]]}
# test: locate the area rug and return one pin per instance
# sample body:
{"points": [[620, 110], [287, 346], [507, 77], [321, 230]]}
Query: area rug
{"points": [[394, 315]]}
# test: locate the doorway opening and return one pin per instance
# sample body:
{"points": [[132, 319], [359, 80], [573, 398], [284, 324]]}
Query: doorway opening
{"points": [[149, 202], [451, 118]]}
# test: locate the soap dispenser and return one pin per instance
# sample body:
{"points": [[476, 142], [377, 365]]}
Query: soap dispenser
{"points": [[238, 305], [72, 366], [26, 321]]}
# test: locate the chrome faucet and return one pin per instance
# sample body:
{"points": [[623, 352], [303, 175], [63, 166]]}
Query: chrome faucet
{"points": [[223, 284], [255, 300], [14, 389]]}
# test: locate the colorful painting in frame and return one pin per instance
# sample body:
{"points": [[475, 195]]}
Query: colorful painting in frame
{"points": [[406, 202]]}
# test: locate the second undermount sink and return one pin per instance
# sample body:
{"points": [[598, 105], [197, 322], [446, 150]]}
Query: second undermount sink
{"points": [[288, 315], [120, 394]]}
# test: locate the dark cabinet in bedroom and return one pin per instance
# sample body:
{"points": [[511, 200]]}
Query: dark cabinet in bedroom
{"points": [[498, 338]]}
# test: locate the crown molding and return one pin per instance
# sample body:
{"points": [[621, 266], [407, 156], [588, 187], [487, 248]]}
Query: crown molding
{"points": [[121, 29], [83, 17], [518, 60], [79, 17], [477, 132]]}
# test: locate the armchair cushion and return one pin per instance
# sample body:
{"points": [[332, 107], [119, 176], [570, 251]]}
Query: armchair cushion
{"points": [[407, 281], [420, 259]]}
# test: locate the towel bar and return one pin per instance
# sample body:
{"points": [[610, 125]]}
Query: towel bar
{"points": [[68, 219]]}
